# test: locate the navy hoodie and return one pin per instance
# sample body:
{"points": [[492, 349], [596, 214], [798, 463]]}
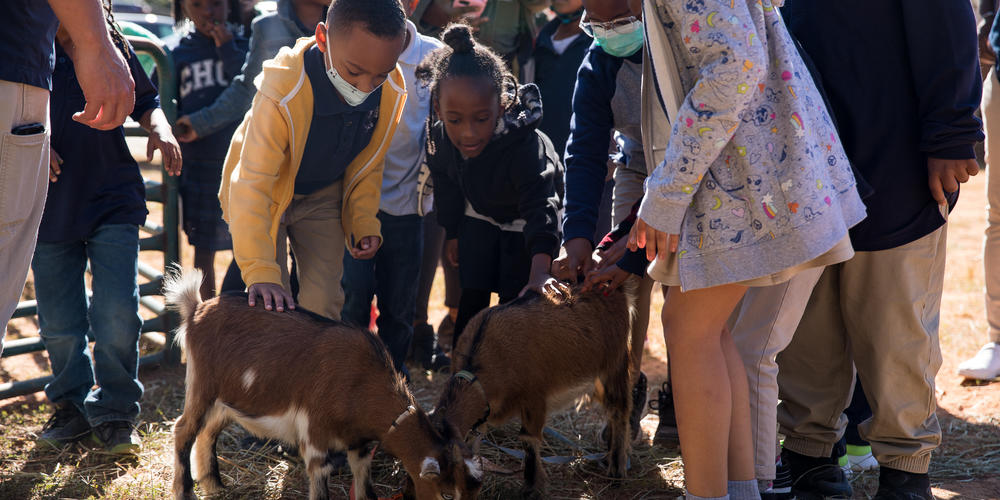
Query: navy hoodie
{"points": [[203, 72], [903, 81]]}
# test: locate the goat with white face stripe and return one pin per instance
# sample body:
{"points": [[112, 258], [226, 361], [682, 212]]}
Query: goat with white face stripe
{"points": [[307, 381]]}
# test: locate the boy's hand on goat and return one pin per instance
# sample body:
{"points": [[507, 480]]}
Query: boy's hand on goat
{"points": [[607, 279], [545, 284], [578, 260], [653, 240], [366, 248], [612, 254], [274, 296], [451, 251]]}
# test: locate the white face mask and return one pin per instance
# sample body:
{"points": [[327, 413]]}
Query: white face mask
{"points": [[352, 96]]}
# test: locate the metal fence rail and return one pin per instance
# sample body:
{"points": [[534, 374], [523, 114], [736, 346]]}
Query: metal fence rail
{"points": [[162, 238]]}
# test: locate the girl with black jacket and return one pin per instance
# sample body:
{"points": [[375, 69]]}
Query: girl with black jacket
{"points": [[497, 178]]}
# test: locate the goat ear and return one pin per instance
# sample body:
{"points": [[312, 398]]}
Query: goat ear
{"points": [[430, 469], [474, 467]]}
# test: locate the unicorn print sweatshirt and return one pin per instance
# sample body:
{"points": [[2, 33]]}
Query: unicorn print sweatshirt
{"points": [[754, 178]]}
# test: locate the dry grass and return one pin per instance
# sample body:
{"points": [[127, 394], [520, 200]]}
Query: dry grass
{"points": [[964, 467]]}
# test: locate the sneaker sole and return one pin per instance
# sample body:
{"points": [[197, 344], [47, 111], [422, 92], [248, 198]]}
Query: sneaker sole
{"points": [[120, 449]]}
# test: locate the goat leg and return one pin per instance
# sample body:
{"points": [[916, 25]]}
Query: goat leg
{"points": [[533, 421], [360, 463], [618, 404]]}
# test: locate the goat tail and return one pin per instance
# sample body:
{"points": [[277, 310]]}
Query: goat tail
{"points": [[182, 289]]}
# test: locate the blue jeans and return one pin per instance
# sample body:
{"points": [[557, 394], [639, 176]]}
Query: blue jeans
{"points": [[111, 320], [392, 276]]}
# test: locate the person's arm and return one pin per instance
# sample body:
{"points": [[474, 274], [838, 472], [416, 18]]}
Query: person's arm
{"points": [[449, 202], [941, 40], [729, 68], [148, 114], [587, 148], [100, 69], [233, 54], [533, 174], [250, 221], [234, 102]]}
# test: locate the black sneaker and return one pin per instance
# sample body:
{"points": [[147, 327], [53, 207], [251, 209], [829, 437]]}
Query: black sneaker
{"points": [[118, 437], [65, 426], [894, 484], [666, 432], [816, 478], [781, 487]]}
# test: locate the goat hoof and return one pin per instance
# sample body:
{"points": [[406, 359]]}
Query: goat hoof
{"points": [[211, 485]]}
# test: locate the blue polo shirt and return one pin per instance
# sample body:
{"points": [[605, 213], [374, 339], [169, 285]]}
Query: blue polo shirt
{"points": [[27, 32], [338, 131], [100, 181]]}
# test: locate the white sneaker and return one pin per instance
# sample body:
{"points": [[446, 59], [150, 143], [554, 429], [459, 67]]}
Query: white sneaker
{"points": [[985, 365], [861, 463]]}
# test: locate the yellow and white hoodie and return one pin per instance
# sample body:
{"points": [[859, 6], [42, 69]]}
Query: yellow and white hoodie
{"points": [[258, 178]]}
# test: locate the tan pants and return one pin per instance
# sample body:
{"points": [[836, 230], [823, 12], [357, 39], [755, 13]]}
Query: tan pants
{"points": [[629, 188], [879, 310], [991, 254], [764, 327], [312, 225], [24, 181]]}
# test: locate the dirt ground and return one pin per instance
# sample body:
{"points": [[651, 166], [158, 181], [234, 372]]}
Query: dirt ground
{"points": [[966, 466]]}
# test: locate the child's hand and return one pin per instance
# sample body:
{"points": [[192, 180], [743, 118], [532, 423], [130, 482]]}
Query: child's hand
{"points": [[451, 251], [612, 254], [184, 130], [366, 248], [169, 150], [608, 279], [944, 176], [220, 33], [578, 260], [547, 285], [274, 295], [54, 161], [653, 240]]}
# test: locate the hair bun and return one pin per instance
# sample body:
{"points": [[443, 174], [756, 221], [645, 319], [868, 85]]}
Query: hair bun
{"points": [[459, 38]]}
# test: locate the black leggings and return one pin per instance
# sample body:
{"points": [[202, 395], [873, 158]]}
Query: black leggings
{"points": [[472, 302]]}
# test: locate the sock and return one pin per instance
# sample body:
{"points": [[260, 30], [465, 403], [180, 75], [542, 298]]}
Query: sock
{"points": [[744, 490], [765, 485], [689, 496], [858, 451]]}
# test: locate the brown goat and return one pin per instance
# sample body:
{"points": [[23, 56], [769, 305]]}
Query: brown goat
{"points": [[538, 354], [305, 380]]}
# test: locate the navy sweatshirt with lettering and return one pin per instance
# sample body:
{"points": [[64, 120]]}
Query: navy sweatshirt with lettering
{"points": [[203, 72]]}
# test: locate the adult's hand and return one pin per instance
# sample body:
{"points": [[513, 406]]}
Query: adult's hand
{"points": [[101, 69], [274, 296], [944, 176], [107, 86]]}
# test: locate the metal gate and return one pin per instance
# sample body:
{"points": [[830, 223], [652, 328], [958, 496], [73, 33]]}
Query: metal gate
{"points": [[161, 238]]}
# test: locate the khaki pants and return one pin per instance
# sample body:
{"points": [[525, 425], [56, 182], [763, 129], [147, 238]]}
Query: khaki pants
{"points": [[312, 225], [766, 323], [629, 188], [879, 310], [24, 181], [991, 254]]}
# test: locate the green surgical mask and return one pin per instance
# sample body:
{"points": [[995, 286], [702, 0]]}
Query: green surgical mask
{"points": [[623, 41]]}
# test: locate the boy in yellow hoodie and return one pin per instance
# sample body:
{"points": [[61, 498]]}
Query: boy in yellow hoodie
{"points": [[306, 163]]}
